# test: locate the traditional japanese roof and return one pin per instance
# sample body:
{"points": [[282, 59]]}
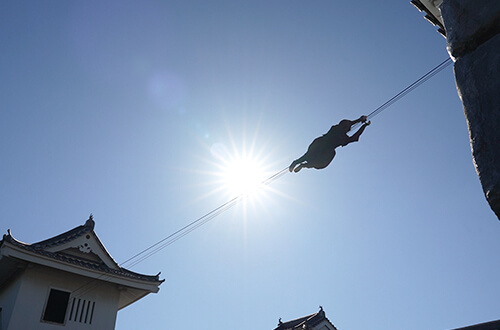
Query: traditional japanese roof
{"points": [[432, 13], [493, 325], [306, 322], [78, 251]]}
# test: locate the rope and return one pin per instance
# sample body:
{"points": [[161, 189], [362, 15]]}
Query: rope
{"points": [[161, 244], [441, 66], [146, 253]]}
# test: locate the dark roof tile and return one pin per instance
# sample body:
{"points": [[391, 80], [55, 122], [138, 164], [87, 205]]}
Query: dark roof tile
{"points": [[41, 247], [307, 321]]}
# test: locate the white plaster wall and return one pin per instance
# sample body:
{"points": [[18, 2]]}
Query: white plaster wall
{"points": [[34, 289], [8, 296], [324, 326]]}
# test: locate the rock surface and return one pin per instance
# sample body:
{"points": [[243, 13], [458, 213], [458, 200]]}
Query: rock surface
{"points": [[473, 38], [469, 23]]}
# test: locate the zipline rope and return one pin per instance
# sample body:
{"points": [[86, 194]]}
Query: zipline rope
{"points": [[155, 248], [146, 253], [441, 66], [411, 87]]}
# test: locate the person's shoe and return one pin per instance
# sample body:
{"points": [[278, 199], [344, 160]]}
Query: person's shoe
{"points": [[298, 168]]}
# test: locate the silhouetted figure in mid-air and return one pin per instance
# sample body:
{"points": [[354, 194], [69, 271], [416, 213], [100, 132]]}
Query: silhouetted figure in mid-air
{"points": [[322, 150]]}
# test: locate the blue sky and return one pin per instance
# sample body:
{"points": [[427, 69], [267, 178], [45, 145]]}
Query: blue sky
{"points": [[116, 109]]}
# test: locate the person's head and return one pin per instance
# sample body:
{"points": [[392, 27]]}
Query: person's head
{"points": [[345, 125]]}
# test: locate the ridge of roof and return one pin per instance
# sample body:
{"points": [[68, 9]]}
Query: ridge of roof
{"points": [[308, 321], [432, 13], [293, 323], [492, 325], [40, 248], [67, 236]]}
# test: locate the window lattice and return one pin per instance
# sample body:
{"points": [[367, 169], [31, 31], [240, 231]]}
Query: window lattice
{"points": [[82, 311]]}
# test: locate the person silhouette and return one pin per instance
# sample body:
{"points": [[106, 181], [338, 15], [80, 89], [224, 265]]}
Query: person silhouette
{"points": [[322, 150]]}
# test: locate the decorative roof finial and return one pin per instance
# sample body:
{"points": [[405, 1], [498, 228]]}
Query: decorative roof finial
{"points": [[90, 222], [321, 311], [279, 321]]}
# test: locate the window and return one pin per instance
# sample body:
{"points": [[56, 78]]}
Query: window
{"points": [[82, 311], [57, 304]]}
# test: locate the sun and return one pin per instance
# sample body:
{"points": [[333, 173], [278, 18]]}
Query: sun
{"points": [[243, 176], [240, 173]]}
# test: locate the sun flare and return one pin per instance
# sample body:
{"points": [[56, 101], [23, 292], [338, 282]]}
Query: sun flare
{"points": [[243, 176], [240, 173]]}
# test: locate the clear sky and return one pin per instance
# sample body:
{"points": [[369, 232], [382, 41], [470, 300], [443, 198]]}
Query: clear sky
{"points": [[133, 111]]}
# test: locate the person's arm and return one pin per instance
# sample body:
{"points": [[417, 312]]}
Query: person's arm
{"points": [[361, 119], [356, 135]]}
